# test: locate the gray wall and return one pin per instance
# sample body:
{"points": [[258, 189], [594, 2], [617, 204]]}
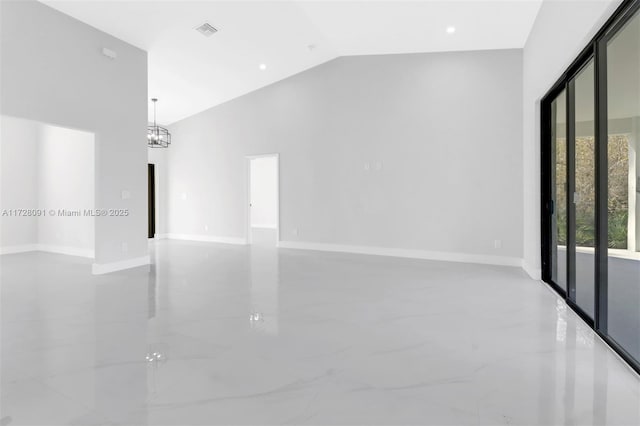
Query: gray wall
{"points": [[441, 135], [18, 181], [52, 71]]}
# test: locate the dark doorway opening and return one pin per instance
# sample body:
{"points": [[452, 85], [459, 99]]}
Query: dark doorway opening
{"points": [[151, 200]]}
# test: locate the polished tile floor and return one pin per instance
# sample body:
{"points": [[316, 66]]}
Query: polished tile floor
{"points": [[221, 334]]}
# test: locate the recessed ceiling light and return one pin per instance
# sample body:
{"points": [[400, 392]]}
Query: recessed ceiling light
{"points": [[206, 29], [263, 67], [451, 30]]}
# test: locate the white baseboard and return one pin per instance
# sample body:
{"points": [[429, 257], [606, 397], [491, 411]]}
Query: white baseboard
{"points": [[413, 254], [22, 248], [264, 226], [70, 251], [105, 268], [204, 238], [534, 273]]}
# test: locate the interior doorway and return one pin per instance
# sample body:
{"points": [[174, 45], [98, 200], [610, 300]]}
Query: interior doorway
{"points": [[263, 220], [47, 172], [151, 202]]}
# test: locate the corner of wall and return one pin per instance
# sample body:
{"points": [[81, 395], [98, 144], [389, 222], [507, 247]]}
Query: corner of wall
{"points": [[534, 273]]}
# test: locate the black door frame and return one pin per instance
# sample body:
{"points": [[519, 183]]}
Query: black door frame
{"points": [[595, 49]]}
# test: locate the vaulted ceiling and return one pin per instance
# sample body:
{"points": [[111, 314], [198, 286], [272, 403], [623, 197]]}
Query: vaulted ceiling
{"points": [[189, 72]]}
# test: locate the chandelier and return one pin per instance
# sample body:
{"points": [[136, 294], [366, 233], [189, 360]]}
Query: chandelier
{"points": [[157, 137]]}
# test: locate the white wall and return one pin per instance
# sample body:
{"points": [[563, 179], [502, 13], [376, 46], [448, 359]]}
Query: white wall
{"points": [[420, 152], [18, 182], [65, 170], [561, 30], [52, 71], [264, 192]]}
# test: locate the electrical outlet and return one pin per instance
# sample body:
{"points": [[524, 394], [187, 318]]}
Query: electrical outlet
{"points": [[125, 194], [206, 227], [111, 54], [497, 244], [294, 231], [367, 166], [125, 247]]}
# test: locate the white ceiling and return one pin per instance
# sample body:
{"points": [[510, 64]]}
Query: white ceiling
{"points": [[190, 73]]}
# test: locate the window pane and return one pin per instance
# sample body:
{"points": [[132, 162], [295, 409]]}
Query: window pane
{"points": [[623, 108], [584, 197], [559, 185]]}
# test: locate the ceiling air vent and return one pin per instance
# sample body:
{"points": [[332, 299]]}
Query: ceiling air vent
{"points": [[206, 30]]}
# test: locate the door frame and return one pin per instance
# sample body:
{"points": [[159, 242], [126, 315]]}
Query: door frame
{"points": [[248, 158]]}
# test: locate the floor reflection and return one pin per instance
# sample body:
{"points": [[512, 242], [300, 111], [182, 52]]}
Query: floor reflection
{"points": [[264, 266], [122, 309]]}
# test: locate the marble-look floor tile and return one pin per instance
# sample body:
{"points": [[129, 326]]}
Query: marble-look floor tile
{"points": [[221, 334], [30, 402]]}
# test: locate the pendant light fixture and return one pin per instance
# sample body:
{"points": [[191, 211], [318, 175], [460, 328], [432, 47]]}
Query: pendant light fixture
{"points": [[157, 137]]}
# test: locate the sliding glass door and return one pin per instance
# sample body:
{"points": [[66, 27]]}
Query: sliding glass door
{"points": [[591, 183], [623, 185]]}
